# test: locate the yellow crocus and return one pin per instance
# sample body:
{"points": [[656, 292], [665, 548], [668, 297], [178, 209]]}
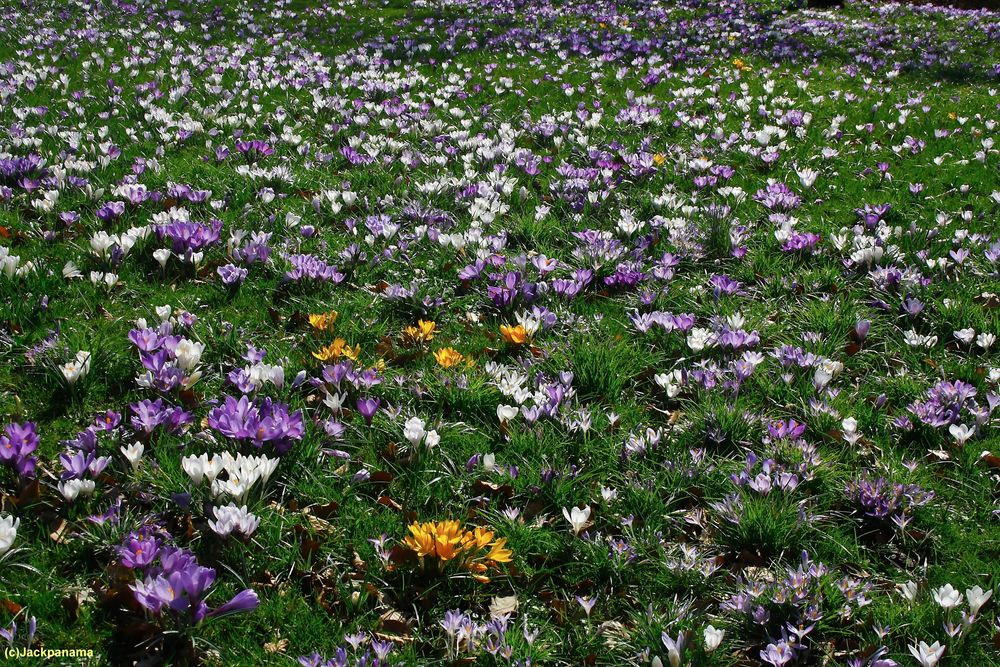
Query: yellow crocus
{"points": [[448, 357]]}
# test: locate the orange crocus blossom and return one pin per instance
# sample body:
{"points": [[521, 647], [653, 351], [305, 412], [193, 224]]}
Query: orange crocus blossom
{"points": [[323, 321], [517, 335], [448, 357], [434, 539], [475, 551], [337, 349], [499, 553], [423, 332]]}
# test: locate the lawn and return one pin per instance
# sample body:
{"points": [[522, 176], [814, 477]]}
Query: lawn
{"points": [[499, 332]]}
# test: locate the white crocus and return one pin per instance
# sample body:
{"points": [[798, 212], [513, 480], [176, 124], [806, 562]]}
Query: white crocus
{"points": [[413, 430], [73, 488], [261, 373], [195, 467], [947, 597], [242, 473], [71, 271], [698, 339], [961, 433], [161, 255], [8, 531], [432, 439], [713, 638], [334, 401], [578, 518], [850, 430], [670, 382], [231, 519], [927, 656], [807, 176], [908, 591], [977, 598], [133, 453], [77, 369], [965, 336], [188, 354]]}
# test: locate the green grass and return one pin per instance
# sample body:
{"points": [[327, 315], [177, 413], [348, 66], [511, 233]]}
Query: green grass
{"points": [[659, 556]]}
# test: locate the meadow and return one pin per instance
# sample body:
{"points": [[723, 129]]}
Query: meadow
{"points": [[499, 332]]}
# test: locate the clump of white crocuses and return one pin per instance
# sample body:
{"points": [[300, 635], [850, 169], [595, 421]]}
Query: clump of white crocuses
{"points": [[415, 432], [242, 473], [77, 368], [950, 600], [231, 519]]}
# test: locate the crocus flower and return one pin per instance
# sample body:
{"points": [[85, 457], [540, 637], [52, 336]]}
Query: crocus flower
{"points": [[231, 519], [232, 275], [947, 597], [587, 603], [448, 357], [675, 647], [578, 518], [133, 453], [927, 656], [244, 601], [8, 531], [76, 369], [713, 638], [506, 412], [777, 654], [908, 591], [72, 488], [423, 332], [413, 430], [977, 598], [200, 467], [368, 407], [961, 433], [17, 446], [138, 551]]}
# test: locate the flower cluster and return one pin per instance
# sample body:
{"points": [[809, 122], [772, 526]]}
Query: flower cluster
{"points": [[437, 545], [17, 446], [258, 421], [228, 475], [882, 500], [172, 582]]}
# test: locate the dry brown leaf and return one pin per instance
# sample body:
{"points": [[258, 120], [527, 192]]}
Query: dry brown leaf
{"points": [[320, 525], [59, 535], [279, 646], [503, 605]]}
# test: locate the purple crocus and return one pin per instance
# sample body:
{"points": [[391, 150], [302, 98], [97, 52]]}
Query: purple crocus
{"points": [[232, 275], [368, 407]]}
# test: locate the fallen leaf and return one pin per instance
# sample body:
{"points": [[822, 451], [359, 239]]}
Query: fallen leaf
{"points": [[10, 607], [72, 602], [278, 646], [59, 535], [395, 624], [503, 605]]}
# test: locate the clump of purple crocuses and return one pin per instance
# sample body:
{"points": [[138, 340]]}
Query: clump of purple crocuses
{"points": [[170, 583], [17, 446]]}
